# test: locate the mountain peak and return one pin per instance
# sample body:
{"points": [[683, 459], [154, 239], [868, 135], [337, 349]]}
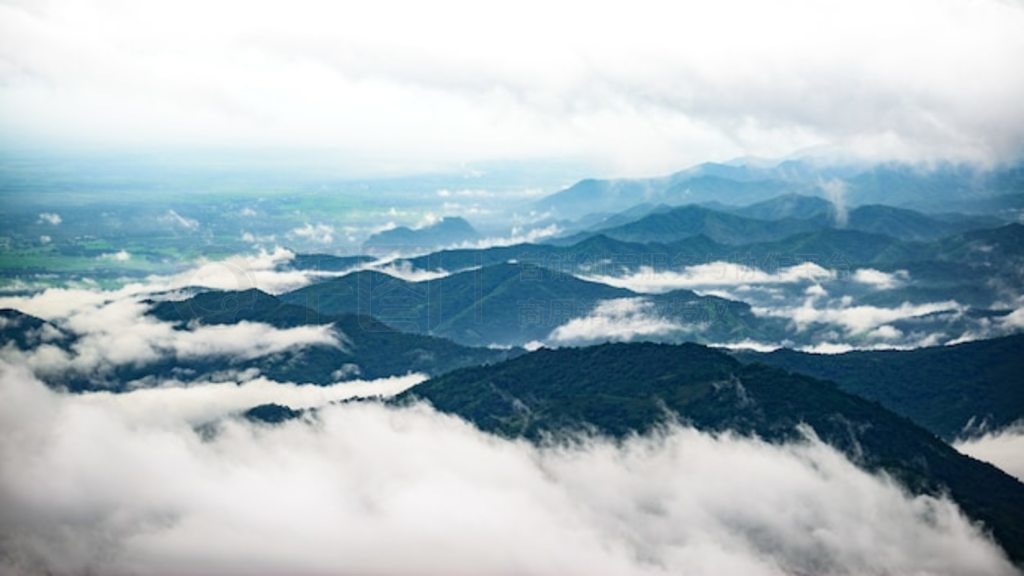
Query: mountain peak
{"points": [[448, 231]]}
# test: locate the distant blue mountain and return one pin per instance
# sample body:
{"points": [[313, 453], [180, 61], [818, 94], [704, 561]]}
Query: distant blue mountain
{"points": [[785, 206], [737, 184], [450, 231], [775, 219]]}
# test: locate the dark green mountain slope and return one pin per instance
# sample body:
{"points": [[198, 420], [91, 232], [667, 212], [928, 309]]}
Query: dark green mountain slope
{"points": [[992, 247], [375, 349], [618, 389], [948, 258], [501, 304], [506, 304], [692, 220], [591, 254], [231, 307], [944, 389], [26, 331]]}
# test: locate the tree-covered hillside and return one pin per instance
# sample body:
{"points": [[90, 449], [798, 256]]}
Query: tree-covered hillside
{"points": [[619, 389]]}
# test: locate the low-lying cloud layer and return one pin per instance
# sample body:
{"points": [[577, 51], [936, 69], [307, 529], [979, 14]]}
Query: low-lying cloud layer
{"points": [[880, 280], [714, 275], [87, 486], [174, 403], [1003, 448], [855, 319], [119, 333], [100, 330], [620, 319], [819, 309], [264, 270]]}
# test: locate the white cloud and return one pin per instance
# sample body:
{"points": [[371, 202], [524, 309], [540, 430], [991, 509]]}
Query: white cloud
{"points": [[993, 328], [264, 239], [518, 235], [641, 89], [119, 256], [752, 345], [120, 333], [857, 319], [262, 270], [93, 484], [405, 271], [885, 332], [835, 190], [240, 272], [714, 274], [59, 302], [426, 220], [44, 239], [816, 290], [174, 219], [473, 210], [389, 225], [1003, 448], [621, 319], [50, 218], [194, 404], [1014, 320], [320, 233], [827, 348], [464, 193], [881, 280]]}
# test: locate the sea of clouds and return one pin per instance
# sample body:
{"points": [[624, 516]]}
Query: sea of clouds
{"points": [[104, 483]]}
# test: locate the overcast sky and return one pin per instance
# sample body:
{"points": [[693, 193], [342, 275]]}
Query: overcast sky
{"points": [[636, 87]]}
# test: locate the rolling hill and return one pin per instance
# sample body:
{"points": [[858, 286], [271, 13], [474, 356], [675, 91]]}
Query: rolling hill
{"points": [[370, 348], [508, 304], [946, 389]]}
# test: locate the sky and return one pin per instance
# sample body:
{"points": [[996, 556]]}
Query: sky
{"points": [[636, 88]]}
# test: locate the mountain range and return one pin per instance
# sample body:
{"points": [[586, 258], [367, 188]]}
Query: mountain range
{"points": [[623, 389], [950, 390], [368, 348], [884, 261], [775, 219], [509, 304], [448, 231], [893, 184]]}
